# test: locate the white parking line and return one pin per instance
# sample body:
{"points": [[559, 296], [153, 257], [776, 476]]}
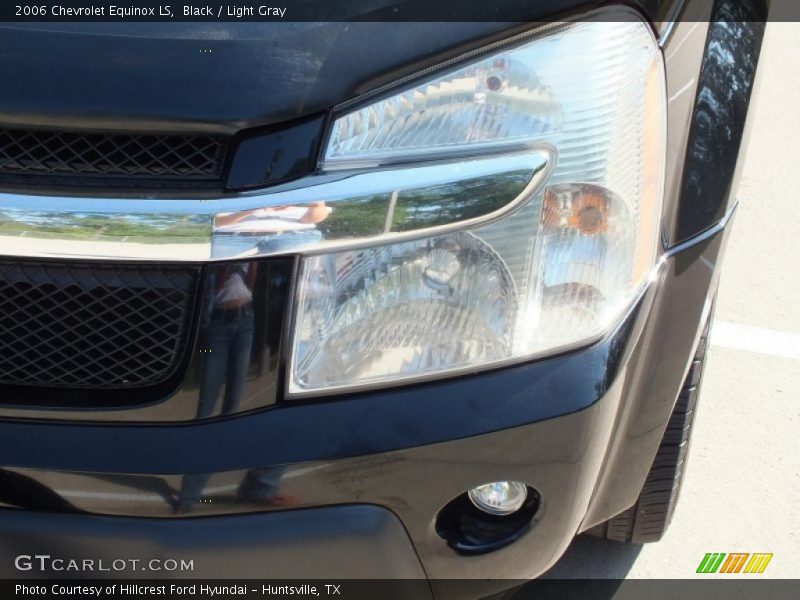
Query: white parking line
{"points": [[755, 339]]}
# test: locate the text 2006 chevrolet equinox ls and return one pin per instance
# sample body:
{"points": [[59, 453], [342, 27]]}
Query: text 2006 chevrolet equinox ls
{"points": [[398, 300]]}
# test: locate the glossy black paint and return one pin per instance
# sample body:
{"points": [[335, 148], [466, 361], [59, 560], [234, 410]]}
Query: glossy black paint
{"points": [[277, 154], [240, 547], [411, 450], [670, 334], [217, 76], [471, 531], [238, 79], [717, 132], [202, 76], [340, 427], [560, 457]]}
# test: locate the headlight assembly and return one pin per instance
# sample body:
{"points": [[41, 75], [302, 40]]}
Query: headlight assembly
{"points": [[556, 272]]}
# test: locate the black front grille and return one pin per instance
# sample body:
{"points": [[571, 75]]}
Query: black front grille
{"points": [[93, 326], [128, 158]]}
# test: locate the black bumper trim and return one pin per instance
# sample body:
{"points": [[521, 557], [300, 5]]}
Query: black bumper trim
{"points": [[337, 542]]}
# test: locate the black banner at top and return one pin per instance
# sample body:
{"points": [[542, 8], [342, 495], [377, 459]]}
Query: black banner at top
{"points": [[277, 10], [360, 10]]}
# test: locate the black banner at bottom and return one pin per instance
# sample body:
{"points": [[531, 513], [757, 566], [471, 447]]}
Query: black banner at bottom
{"points": [[541, 589]]}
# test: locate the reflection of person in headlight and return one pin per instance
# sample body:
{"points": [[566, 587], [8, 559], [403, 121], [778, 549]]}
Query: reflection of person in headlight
{"points": [[275, 228]]}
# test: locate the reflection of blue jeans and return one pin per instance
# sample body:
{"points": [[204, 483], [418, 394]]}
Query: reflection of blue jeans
{"points": [[229, 246], [192, 486], [261, 484], [288, 240], [232, 245], [228, 344]]}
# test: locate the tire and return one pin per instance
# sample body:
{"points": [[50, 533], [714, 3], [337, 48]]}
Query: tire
{"points": [[648, 519]]}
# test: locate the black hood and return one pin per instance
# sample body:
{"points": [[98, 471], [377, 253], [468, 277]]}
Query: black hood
{"points": [[220, 76]]}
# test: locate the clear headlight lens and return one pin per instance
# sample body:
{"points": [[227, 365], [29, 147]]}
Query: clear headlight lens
{"points": [[557, 273], [494, 102]]}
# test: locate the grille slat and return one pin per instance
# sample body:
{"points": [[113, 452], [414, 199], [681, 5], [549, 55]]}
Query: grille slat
{"points": [[122, 157], [93, 326]]}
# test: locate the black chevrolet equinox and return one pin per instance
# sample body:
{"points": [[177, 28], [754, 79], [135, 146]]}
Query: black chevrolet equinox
{"points": [[363, 298]]}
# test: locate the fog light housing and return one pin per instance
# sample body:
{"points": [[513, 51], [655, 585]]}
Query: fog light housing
{"points": [[499, 497], [469, 528]]}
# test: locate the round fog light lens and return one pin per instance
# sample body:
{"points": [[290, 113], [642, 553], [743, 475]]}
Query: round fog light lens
{"points": [[499, 497]]}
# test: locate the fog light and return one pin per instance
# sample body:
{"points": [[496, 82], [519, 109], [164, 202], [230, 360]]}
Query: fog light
{"points": [[499, 497]]}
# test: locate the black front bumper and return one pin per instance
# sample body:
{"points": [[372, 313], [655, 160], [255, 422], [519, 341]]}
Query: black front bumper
{"points": [[581, 428], [370, 542]]}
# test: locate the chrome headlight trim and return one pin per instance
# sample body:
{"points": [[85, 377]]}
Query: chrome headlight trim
{"points": [[200, 230]]}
